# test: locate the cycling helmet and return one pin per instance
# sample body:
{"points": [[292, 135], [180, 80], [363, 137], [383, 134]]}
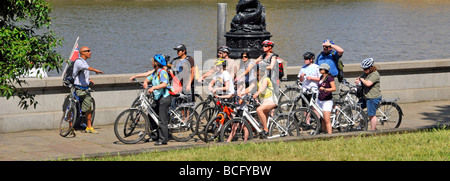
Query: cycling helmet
{"points": [[327, 42], [160, 59], [309, 55], [220, 62], [368, 62], [225, 49], [268, 42]]}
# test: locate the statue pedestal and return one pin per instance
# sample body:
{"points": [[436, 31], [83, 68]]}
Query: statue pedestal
{"points": [[241, 41]]}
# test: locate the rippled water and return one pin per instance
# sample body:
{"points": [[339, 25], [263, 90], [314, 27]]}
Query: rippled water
{"points": [[123, 35]]}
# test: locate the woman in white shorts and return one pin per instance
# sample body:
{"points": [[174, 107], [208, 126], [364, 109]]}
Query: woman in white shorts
{"points": [[325, 98]]}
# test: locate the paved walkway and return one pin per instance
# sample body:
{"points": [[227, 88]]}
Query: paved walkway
{"points": [[48, 145]]}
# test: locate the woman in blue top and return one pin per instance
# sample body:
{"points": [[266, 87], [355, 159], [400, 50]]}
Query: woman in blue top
{"points": [[159, 80]]}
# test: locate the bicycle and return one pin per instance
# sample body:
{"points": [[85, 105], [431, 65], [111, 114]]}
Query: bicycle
{"points": [[206, 113], [72, 115], [244, 125], [222, 112], [289, 92], [133, 124], [389, 114], [343, 117]]}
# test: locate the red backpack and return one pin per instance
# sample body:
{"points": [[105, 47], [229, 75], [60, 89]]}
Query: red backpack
{"points": [[174, 83]]}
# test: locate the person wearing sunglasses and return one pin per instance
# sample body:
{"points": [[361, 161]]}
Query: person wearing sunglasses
{"points": [[330, 55], [81, 73], [184, 70], [271, 60], [327, 85], [309, 74], [370, 82]]}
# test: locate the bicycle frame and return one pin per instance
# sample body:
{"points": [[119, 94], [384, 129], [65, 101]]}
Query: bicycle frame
{"points": [[270, 120]]}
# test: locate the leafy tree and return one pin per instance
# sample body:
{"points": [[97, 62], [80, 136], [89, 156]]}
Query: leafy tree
{"points": [[21, 47]]}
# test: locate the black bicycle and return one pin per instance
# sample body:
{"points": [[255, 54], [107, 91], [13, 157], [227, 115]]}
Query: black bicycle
{"points": [[72, 117]]}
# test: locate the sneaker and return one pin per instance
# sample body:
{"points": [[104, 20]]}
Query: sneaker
{"points": [[91, 130]]}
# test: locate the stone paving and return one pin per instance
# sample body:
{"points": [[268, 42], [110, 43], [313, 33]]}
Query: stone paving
{"points": [[48, 145]]}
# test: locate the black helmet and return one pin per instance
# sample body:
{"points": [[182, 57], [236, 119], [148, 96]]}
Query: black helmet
{"points": [[309, 55]]}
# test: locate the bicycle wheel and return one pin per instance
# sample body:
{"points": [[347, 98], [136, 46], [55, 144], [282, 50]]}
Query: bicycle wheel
{"points": [[131, 126], [389, 115], [235, 130], [212, 130], [282, 123], [307, 120], [93, 112], [351, 119], [68, 120], [286, 106], [289, 95], [182, 123], [202, 121]]}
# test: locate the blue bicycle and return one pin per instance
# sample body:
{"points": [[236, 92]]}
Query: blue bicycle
{"points": [[72, 117]]}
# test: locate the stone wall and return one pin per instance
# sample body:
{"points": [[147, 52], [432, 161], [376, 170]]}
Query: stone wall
{"points": [[410, 81]]}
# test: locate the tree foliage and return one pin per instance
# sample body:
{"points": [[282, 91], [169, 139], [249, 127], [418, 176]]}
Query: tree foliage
{"points": [[26, 41]]}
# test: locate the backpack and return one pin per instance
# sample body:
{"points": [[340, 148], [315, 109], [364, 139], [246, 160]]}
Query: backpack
{"points": [[280, 65], [280, 69], [340, 67], [174, 82], [68, 79]]}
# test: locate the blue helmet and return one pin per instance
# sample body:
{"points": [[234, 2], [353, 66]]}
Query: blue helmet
{"points": [[160, 59]]}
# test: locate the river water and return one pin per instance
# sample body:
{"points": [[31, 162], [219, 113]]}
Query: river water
{"points": [[124, 35]]}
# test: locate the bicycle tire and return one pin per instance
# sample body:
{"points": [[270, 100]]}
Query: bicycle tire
{"points": [[67, 120], [126, 124], [288, 123], [287, 106], [202, 121], [93, 112], [212, 130], [291, 93], [239, 125], [301, 116], [391, 110], [179, 131], [356, 114]]}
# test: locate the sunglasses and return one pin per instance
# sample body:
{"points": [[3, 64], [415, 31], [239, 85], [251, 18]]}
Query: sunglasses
{"points": [[87, 51], [244, 56]]}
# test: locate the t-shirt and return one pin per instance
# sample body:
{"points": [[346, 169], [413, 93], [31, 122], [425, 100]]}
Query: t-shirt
{"points": [[373, 91], [156, 80], [269, 89], [311, 70], [221, 78], [81, 72], [182, 70], [331, 59], [325, 84], [251, 76]]}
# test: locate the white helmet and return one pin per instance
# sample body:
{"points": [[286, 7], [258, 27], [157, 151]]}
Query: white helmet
{"points": [[368, 62]]}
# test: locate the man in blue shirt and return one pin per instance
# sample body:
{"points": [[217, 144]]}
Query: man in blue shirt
{"points": [[330, 55]]}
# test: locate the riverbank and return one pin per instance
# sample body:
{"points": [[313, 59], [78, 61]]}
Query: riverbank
{"points": [[48, 145]]}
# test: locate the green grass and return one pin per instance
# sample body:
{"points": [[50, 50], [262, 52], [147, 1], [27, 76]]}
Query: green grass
{"points": [[419, 146]]}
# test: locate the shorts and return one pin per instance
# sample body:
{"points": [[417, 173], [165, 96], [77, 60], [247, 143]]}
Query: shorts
{"points": [[326, 105], [371, 104], [87, 100]]}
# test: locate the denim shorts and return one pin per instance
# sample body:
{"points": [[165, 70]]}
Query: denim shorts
{"points": [[371, 104]]}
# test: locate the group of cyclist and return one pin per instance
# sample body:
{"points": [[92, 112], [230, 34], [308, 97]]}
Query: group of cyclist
{"points": [[257, 78]]}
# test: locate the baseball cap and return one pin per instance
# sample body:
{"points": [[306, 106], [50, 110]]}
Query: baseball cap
{"points": [[324, 66], [180, 47]]}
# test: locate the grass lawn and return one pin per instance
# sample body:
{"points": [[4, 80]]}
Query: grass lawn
{"points": [[427, 145]]}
